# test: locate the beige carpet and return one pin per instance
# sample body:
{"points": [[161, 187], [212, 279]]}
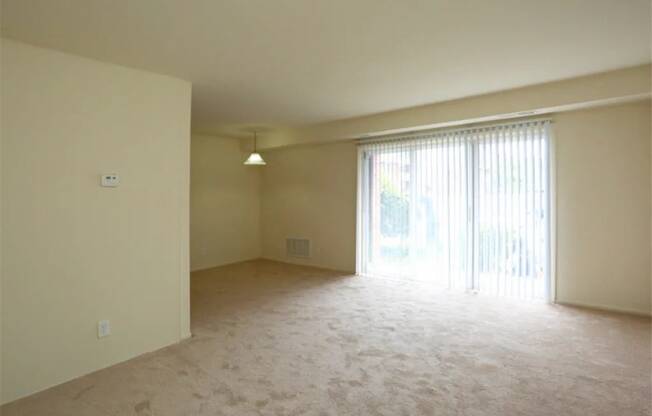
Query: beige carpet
{"points": [[273, 339]]}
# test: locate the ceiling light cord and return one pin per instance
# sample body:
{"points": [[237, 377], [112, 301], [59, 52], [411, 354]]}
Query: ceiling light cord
{"points": [[255, 158]]}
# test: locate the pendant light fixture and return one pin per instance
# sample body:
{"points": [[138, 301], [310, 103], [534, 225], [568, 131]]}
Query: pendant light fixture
{"points": [[255, 158]]}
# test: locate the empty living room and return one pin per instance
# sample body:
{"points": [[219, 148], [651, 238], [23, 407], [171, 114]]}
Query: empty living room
{"points": [[326, 207]]}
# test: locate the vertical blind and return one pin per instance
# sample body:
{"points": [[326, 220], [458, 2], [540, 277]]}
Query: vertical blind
{"points": [[465, 209]]}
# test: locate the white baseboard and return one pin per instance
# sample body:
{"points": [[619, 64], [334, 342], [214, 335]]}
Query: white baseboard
{"points": [[306, 263], [605, 308], [199, 269]]}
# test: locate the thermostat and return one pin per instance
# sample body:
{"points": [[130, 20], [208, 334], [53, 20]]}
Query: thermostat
{"points": [[110, 180]]}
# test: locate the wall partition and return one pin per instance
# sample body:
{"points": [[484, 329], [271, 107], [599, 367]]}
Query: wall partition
{"points": [[466, 209]]}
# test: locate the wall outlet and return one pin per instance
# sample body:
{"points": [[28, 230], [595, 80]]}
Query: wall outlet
{"points": [[103, 329]]}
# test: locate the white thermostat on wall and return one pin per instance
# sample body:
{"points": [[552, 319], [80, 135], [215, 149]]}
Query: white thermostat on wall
{"points": [[110, 180]]}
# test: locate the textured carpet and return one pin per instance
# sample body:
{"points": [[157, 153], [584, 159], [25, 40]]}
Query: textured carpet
{"points": [[274, 339]]}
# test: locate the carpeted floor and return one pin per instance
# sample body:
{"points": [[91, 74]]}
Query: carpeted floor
{"points": [[274, 339]]}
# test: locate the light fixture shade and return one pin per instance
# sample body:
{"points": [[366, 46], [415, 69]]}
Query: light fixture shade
{"points": [[255, 159]]}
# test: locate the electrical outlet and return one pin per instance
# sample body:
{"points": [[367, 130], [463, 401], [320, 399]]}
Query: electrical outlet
{"points": [[103, 329]]}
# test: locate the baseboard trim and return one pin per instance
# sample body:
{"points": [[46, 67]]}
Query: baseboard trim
{"points": [[603, 308], [225, 264], [101, 368], [304, 263]]}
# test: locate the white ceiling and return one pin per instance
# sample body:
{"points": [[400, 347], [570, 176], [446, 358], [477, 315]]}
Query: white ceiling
{"points": [[304, 61]]}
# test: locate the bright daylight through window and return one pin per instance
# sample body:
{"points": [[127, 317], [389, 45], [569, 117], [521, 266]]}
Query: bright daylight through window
{"points": [[464, 209]]}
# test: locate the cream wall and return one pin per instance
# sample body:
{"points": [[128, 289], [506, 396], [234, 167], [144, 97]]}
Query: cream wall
{"points": [[74, 252], [605, 88], [224, 203], [603, 211], [309, 192], [1, 227], [603, 207]]}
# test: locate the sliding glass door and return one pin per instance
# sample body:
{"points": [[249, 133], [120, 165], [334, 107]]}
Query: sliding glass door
{"points": [[466, 209]]}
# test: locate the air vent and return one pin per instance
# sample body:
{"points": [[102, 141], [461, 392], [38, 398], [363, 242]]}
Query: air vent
{"points": [[298, 247]]}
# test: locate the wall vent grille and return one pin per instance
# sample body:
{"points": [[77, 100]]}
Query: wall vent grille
{"points": [[298, 247]]}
